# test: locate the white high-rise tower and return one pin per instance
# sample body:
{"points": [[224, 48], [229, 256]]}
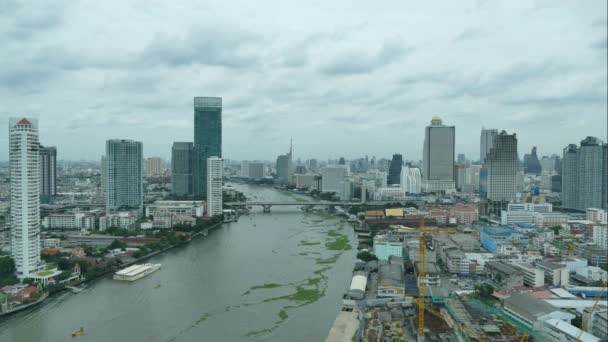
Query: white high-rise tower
{"points": [[215, 171], [25, 194]]}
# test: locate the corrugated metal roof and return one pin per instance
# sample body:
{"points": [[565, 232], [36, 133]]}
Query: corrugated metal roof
{"points": [[359, 282], [397, 212]]}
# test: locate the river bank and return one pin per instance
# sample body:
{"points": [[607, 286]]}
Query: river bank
{"points": [[285, 259]]}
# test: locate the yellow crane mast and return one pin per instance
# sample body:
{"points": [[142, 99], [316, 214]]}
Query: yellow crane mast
{"points": [[421, 283]]}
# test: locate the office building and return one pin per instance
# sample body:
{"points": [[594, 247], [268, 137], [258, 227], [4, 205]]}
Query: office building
{"points": [[471, 179], [256, 170], [181, 168], [124, 175], [394, 170], [308, 181], [486, 143], [48, 172], [531, 163], [153, 167], [285, 168], [533, 277], [207, 139], [215, 168], [411, 180], [600, 236], [583, 175], [331, 176], [24, 172], [596, 215], [499, 174], [438, 157]]}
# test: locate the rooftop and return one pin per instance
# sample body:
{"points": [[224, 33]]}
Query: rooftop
{"points": [[528, 306], [502, 267]]}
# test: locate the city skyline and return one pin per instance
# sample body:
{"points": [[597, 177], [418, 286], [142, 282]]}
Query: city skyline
{"points": [[277, 84]]}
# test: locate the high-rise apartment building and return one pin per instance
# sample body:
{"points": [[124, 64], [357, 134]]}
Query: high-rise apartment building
{"points": [[285, 168], [124, 175], [500, 168], [394, 170], [181, 168], [438, 157], [207, 139], [486, 143], [584, 175], [331, 176], [48, 172], [153, 167], [256, 170], [215, 168], [24, 171]]}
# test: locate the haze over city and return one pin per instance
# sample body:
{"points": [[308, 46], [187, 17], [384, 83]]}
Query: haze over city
{"points": [[363, 79]]}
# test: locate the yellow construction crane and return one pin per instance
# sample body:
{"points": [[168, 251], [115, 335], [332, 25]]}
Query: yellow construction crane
{"points": [[421, 282], [585, 321]]}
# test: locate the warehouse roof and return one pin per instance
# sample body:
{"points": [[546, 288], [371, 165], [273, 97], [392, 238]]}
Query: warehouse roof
{"points": [[528, 306]]}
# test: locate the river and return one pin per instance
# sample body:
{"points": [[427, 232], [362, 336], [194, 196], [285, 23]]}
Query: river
{"points": [[267, 277]]}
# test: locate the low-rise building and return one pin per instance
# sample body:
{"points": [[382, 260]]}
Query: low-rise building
{"points": [[516, 216], [595, 255], [600, 236], [532, 312], [555, 274], [546, 220], [503, 274], [597, 321], [533, 277], [596, 215], [557, 330], [387, 245], [120, 220], [465, 213], [492, 236], [69, 221], [533, 207], [181, 208], [390, 281]]}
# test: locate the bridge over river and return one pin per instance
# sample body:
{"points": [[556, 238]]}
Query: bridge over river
{"points": [[266, 205]]}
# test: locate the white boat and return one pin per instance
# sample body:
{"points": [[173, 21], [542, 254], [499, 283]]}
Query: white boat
{"points": [[135, 272]]}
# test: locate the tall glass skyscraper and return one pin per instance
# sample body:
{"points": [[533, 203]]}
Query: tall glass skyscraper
{"points": [[583, 175], [394, 170], [48, 172], [486, 142], [207, 139], [25, 194], [124, 175], [181, 168], [438, 157]]}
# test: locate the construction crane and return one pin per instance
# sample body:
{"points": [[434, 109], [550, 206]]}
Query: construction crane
{"points": [[585, 321], [421, 282]]}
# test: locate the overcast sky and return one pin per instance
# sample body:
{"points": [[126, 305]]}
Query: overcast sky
{"points": [[342, 77]]}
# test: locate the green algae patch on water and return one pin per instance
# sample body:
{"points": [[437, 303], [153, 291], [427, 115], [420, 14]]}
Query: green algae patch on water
{"points": [[283, 314], [266, 286], [327, 261], [308, 243], [337, 241]]}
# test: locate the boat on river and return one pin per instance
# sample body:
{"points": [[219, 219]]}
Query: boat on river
{"points": [[135, 272], [76, 333]]}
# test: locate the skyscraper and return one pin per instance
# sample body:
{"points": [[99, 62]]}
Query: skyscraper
{"points": [[285, 167], [331, 176], [394, 170], [153, 167], [215, 168], [207, 139], [181, 168], [501, 166], [438, 157], [531, 163], [25, 194], [583, 175], [411, 180], [486, 143], [124, 175], [48, 172]]}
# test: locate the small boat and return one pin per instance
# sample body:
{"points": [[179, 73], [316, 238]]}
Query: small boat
{"points": [[156, 286], [76, 333]]}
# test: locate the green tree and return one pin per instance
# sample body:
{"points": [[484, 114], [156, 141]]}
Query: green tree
{"points": [[117, 244], [366, 256], [7, 271]]}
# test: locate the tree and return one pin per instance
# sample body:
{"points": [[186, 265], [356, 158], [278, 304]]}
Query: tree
{"points": [[65, 264], [117, 244], [484, 291], [7, 271], [556, 229], [366, 256]]}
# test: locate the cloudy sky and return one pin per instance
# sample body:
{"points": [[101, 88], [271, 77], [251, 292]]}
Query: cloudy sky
{"points": [[342, 77]]}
